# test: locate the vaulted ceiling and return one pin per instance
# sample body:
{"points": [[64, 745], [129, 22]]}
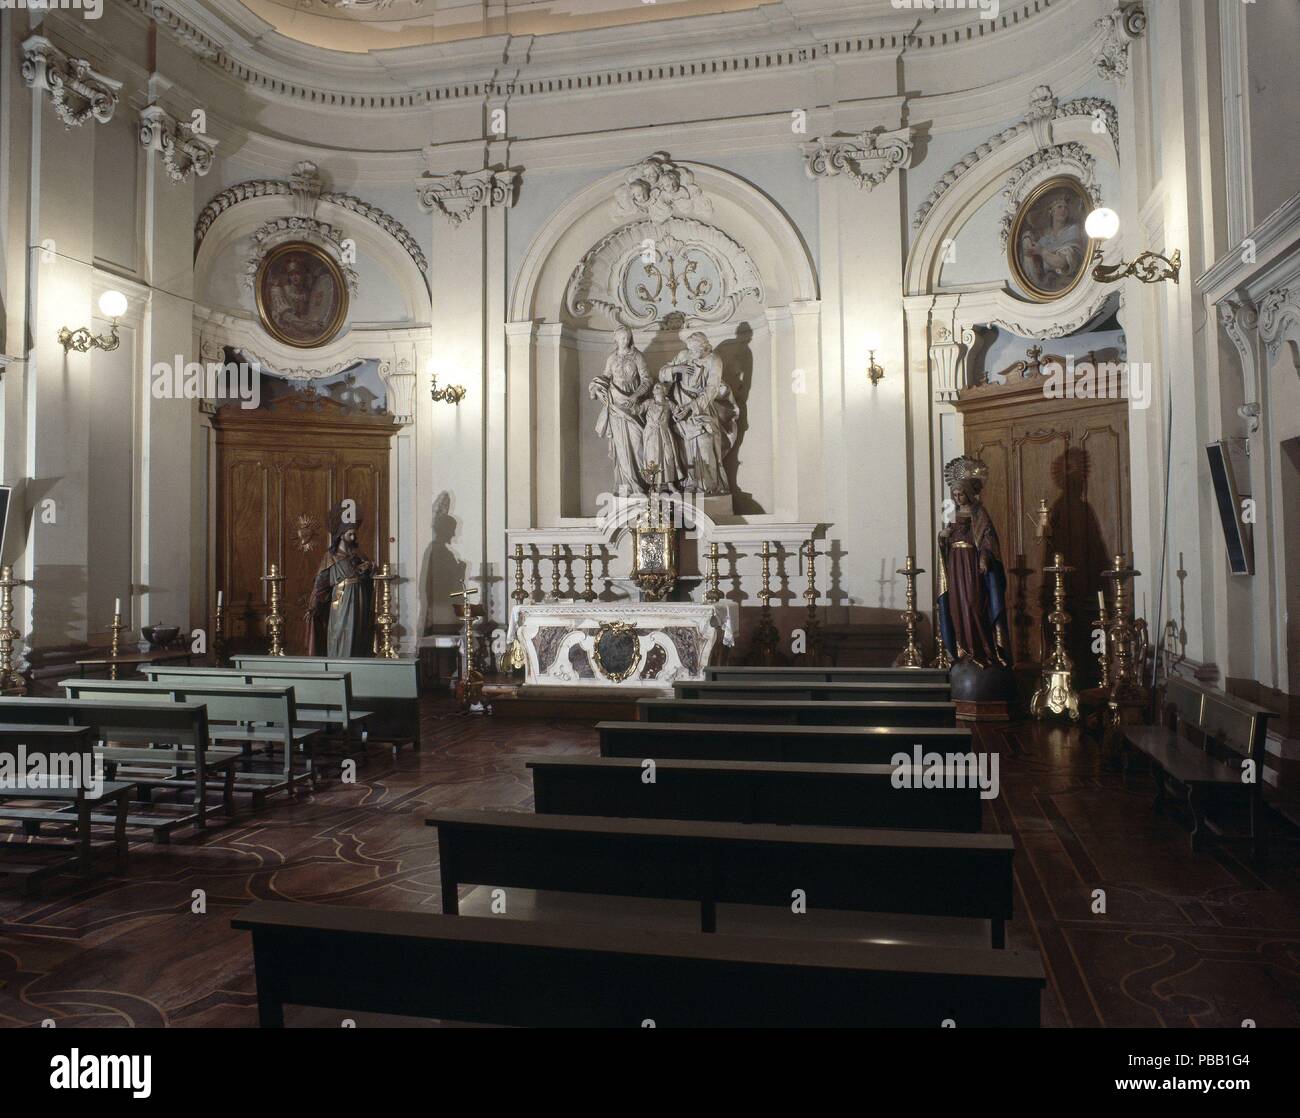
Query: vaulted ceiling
{"points": [[363, 25]]}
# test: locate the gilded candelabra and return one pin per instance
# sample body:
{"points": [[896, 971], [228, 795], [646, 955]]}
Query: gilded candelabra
{"points": [[588, 590], [911, 656], [274, 618], [1127, 636], [714, 592], [765, 651], [471, 679], [386, 617], [812, 626], [1056, 693], [520, 595], [555, 572], [10, 681]]}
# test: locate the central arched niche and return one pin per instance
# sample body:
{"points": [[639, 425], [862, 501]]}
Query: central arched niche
{"points": [[709, 252]]}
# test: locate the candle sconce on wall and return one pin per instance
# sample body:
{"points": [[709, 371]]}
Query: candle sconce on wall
{"points": [[453, 393], [1148, 267], [112, 305], [874, 371]]}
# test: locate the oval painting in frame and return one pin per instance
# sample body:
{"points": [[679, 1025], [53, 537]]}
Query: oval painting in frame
{"points": [[302, 295], [1049, 251]]}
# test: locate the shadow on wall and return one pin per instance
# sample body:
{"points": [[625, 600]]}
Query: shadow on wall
{"points": [[59, 608], [738, 372], [1076, 532], [443, 572]]}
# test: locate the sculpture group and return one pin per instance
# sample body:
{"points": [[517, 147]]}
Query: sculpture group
{"points": [[683, 421]]}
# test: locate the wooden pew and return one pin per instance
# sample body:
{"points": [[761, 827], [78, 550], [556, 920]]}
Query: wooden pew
{"points": [[69, 790], [322, 699], [750, 792], [165, 743], [1201, 750], [798, 712], [747, 741], [908, 872], [742, 674], [388, 688], [901, 692], [239, 715], [510, 972]]}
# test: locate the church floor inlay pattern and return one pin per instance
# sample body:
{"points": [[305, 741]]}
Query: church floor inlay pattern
{"points": [[1186, 940]]}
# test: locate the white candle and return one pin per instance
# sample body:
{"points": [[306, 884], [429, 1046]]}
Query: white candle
{"points": [[1101, 601], [117, 607], [220, 596]]}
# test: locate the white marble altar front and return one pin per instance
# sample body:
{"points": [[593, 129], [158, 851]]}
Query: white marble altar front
{"points": [[674, 640]]}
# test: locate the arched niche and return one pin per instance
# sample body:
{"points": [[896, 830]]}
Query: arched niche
{"points": [[560, 340]]}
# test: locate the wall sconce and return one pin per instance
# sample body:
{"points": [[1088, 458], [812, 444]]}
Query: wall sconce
{"points": [[453, 393], [112, 304], [1148, 267], [874, 371]]}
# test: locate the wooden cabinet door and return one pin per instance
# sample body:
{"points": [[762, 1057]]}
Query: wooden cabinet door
{"points": [[277, 478]]}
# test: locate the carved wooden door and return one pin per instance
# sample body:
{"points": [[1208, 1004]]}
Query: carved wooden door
{"points": [[278, 475]]}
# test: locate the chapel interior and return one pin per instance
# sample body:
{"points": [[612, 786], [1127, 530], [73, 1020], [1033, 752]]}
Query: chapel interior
{"points": [[612, 513]]}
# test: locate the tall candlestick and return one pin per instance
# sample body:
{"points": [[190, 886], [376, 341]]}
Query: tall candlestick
{"points": [[911, 656], [10, 680]]}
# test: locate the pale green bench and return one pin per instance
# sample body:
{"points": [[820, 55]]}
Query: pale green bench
{"points": [[389, 688], [167, 743], [242, 715]]}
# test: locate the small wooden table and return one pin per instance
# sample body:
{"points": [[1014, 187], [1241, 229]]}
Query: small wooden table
{"points": [[112, 663]]}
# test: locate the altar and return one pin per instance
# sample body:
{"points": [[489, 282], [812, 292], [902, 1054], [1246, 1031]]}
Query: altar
{"points": [[630, 644]]}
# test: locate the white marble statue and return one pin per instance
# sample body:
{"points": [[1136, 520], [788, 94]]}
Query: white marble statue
{"points": [[706, 416], [621, 389]]}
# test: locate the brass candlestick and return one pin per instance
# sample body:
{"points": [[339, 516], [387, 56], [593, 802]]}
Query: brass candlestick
{"points": [[385, 618], [1056, 693], [471, 678], [274, 618], [1127, 635], [10, 681], [220, 646], [765, 650], [588, 592], [555, 572], [533, 554], [115, 644], [941, 659], [713, 593], [812, 626], [1103, 657], [520, 595], [911, 656]]}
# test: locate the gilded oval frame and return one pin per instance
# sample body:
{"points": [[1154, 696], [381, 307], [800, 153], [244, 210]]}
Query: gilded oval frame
{"points": [[325, 260], [1027, 287]]}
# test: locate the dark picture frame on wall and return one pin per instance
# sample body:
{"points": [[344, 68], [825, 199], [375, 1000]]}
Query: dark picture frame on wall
{"points": [[1049, 252], [302, 295]]}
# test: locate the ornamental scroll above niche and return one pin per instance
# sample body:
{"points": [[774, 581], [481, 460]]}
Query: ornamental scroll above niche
{"points": [[678, 270]]}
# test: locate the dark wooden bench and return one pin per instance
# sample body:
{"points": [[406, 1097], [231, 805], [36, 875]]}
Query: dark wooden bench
{"points": [[915, 873], [162, 745], [56, 779], [742, 674], [797, 712], [750, 792], [746, 741], [1209, 746], [517, 973], [810, 691]]}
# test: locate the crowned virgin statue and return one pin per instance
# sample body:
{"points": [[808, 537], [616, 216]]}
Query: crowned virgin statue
{"points": [[972, 604], [340, 610]]}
